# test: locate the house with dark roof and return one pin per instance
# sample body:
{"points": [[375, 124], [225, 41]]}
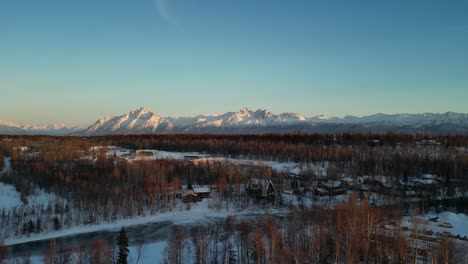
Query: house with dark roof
{"points": [[331, 187], [260, 188]]}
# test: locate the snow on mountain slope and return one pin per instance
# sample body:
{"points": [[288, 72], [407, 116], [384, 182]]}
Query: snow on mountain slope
{"points": [[24, 129], [138, 121], [144, 121], [406, 119], [9, 128], [244, 117]]}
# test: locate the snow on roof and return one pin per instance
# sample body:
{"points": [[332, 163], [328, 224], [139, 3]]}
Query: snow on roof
{"points": [[428, 181], [429, 176], [332, 183], [320, 190], [295, 170], [96, 148], [201, 189], [188, 192], [21, 148], [384, 180]]}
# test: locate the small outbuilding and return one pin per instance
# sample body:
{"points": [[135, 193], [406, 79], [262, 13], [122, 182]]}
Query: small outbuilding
{"points": [[146, 152], [202, 192], [190, 197]]}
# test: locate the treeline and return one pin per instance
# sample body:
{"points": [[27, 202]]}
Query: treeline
{"points": [[289, 147], [295, 147], [307, 139]]}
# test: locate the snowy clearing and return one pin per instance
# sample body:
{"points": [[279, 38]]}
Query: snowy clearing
{"points": [[459, 223], [9, 197]]}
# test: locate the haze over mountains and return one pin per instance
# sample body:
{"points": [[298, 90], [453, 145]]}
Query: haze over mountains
{"points": [[245, 121], [57, 129]]}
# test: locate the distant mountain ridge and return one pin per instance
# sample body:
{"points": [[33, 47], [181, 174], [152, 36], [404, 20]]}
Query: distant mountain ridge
{"points": [[57, 129], [138, 121], [246, 121]]}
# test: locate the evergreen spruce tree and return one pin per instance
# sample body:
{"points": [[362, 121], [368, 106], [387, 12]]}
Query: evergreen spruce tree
{"points": [[122, 243], [56, 222]]}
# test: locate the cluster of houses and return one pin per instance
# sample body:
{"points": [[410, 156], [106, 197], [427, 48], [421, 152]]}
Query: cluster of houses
{"points": [[25, 152], [428, 143], [386, 185], [255, 187], [265, 188], [114, 151]]}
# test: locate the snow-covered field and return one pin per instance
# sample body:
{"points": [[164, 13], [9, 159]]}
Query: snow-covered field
{"points": [[459, 223], [292, 167]]}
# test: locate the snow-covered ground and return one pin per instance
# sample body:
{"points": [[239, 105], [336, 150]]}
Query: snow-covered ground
{"points": [[197, 212], [7, 165], [459, 223], [292, 167], [150, 253], [9, 197]]}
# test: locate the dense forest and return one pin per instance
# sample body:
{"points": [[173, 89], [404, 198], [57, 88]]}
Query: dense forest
{"points": [[94, 188]]}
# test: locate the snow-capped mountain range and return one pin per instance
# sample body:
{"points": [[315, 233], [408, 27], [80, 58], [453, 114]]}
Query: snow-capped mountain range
{"points": [[245, 121], [57, 129], [144, 121]]}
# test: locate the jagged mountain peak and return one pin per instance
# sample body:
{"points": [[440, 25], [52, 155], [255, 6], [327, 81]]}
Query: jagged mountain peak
{"points": [[138, 121], [244, 112], [262, 113], [142, 120], [141, 111]]}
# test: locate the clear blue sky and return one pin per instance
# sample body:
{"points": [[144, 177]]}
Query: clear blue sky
{"points": [[79, 60]]}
